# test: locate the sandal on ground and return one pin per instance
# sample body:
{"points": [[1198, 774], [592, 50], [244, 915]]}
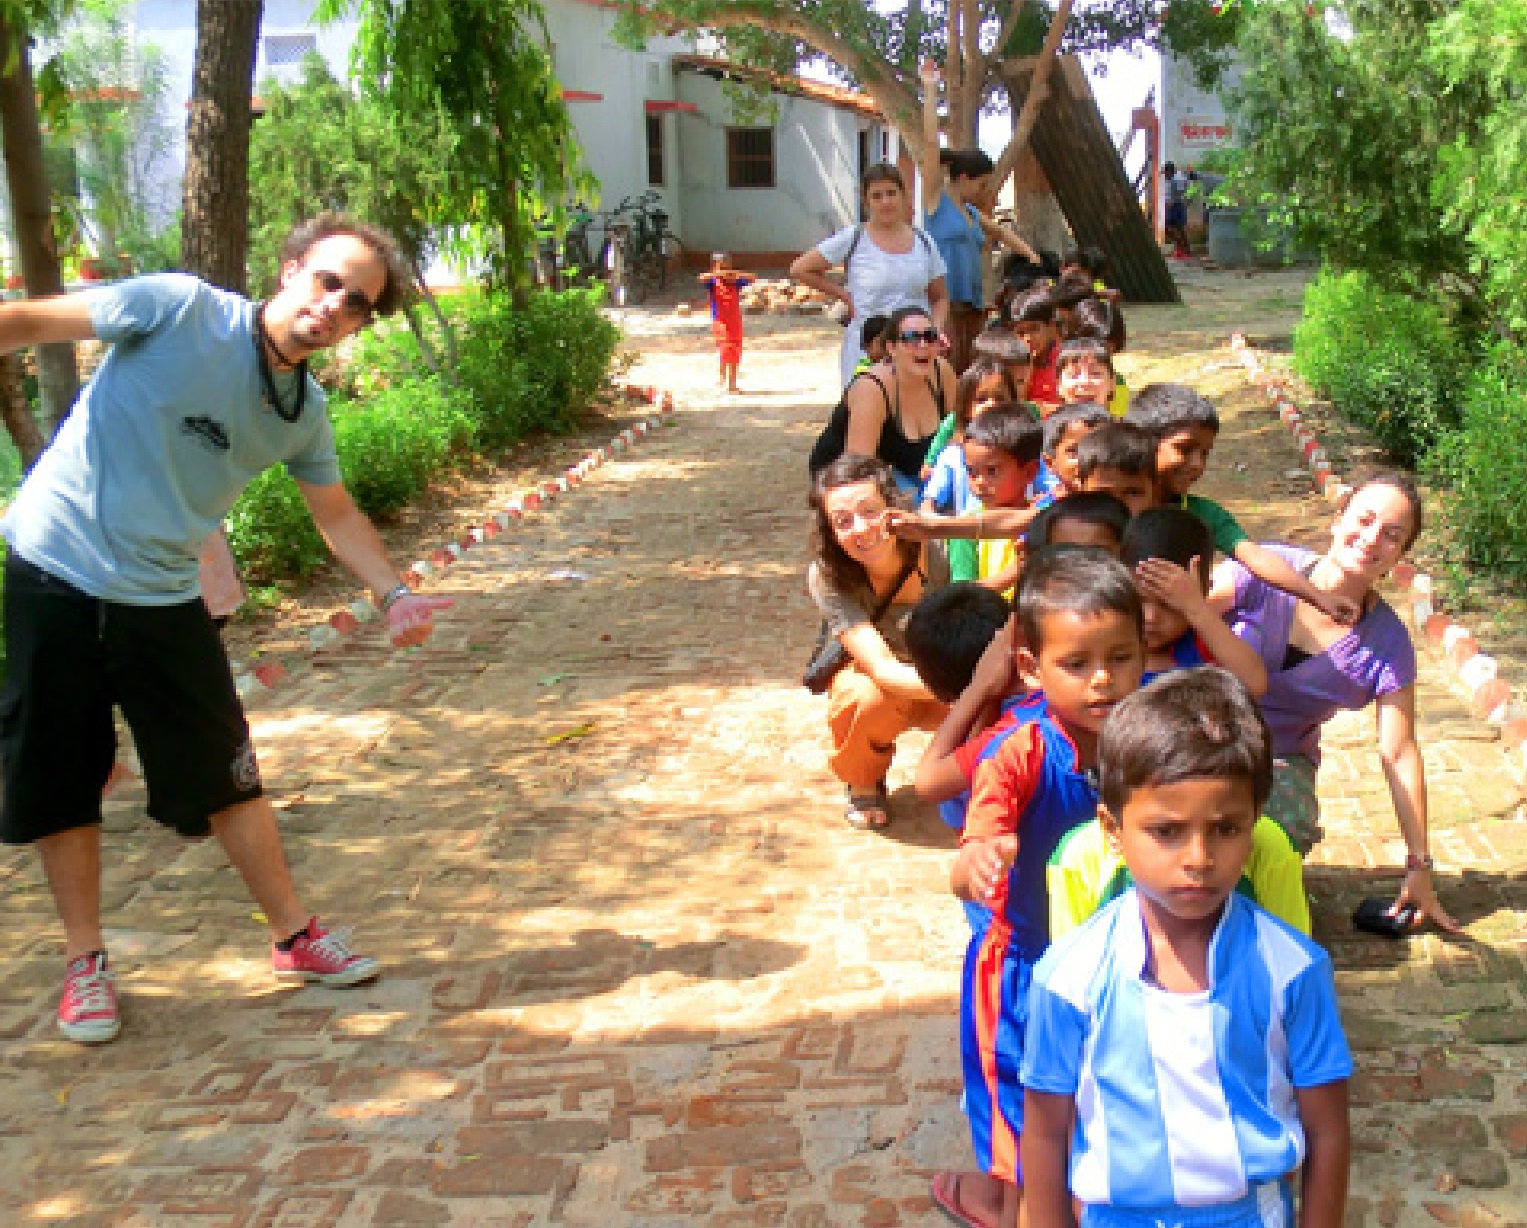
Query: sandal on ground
{"points": [[866, 809], [946, 1193]]}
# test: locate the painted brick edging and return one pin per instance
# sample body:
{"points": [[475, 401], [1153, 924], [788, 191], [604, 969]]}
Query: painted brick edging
{"points": [[1472, 672], [345, 622]]}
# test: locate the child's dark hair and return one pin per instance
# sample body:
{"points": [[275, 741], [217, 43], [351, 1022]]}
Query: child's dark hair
{"points": [[1078, 349], [981, 370], [1074, 580], [1013, 429], [1099, 320], [1189, 724], [1163, 409], [1019, 273], [966, 163], [1094, 507], [1032, 305], [947, 632], [1121, 446], [1070, 291], [1093, 259], [1086, 413], [1000, 344], [1171, 533], [871, 330]]}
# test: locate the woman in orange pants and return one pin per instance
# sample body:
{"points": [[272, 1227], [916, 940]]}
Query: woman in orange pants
{"points": [[877, 695]]}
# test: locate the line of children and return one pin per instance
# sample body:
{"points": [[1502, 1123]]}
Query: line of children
{"points": [[1184, 1054], [1088, 864], [1080, 651]]}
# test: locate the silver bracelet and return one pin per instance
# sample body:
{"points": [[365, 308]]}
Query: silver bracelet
{"points": [[392, 596]]}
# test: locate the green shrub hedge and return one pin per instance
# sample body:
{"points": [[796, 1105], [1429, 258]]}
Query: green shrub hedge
{"points": [[1482, 467], [523, 370], [1390, 363]]}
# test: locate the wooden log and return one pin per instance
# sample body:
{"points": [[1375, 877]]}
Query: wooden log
{"points": [[1073, 147]]}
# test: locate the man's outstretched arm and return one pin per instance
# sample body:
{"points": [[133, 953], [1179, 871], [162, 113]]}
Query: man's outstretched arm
{"points": [[41, 321]]}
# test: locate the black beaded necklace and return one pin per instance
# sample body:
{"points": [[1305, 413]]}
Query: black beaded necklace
{"points": [[267, 377]]}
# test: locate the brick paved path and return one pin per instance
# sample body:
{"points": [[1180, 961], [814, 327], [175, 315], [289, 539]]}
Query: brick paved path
{"points": [[644, 975]]}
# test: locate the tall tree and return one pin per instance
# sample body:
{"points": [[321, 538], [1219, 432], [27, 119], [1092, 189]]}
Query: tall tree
{"points": [[484, 67], [214, 240], [879, 52], [31, 203]]}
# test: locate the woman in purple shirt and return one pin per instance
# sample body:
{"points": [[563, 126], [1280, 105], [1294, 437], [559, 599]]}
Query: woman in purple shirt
{"points": [[1317, 667]]}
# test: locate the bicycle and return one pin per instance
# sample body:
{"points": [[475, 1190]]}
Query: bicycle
{"points": [[652, 246], [578, 259], [545, 259]]}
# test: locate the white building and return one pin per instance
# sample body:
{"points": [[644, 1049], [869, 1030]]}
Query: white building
{"points": [[655, 119]]}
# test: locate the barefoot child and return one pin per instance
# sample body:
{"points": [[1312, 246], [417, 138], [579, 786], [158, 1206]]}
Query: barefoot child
{"points": [[1183, 1009], [1079, 622], [724, 285]]}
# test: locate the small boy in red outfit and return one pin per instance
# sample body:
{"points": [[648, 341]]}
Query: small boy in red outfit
{"points": [[724, 285]]}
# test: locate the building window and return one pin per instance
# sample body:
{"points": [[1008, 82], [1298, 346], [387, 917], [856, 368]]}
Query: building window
{"points": [[655, 150], [286, 50], [750, 157]]}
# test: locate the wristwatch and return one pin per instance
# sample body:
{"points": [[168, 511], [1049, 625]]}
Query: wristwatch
{"points": [[1422, 861]]}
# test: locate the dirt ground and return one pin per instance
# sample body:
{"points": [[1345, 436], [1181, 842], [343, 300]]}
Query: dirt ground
{"points": [[637, 969]]}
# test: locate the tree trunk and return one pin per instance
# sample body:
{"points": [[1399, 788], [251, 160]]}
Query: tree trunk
{"points": [[17, 411], [214, 241], [1024, 124], [32, 212], [1076, 152], [974, 80]]}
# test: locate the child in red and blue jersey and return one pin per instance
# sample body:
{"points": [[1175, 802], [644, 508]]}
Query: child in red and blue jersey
{"points": [[724, 286], [1169, 551], [1081, 627]]}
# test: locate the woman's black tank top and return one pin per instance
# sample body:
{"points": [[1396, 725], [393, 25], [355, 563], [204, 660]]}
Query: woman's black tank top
{"points": [[904, 455]]}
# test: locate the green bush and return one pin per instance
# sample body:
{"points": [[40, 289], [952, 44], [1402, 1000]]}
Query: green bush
{"points": [[394, 443], [535, 367], [270, 530], [1389, 362], [397, 426], [1482, 467]]}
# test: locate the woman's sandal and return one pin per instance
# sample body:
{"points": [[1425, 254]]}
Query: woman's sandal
{"points": [[867, 811]]}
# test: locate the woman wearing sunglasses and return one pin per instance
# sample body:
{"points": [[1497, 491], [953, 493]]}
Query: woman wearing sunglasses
{"points": [[886, 262], [894, 408]]}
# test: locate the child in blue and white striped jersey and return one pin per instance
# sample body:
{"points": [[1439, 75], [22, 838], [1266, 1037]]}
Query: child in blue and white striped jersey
{"points": [[1184, 1054]]}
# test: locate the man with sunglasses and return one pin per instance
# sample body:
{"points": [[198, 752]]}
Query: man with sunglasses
{"points": [[200, 392]]}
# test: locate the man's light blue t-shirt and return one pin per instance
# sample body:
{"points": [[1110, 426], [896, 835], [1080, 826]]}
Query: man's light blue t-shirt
{"points": [[161, 443]]}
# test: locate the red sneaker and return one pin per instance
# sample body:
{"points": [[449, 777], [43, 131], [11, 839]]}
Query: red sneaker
{"points": [[88, 1010], [323, 957]]}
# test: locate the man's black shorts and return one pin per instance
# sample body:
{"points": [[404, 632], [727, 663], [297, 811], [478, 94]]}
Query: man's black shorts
{"points": [[70, 658]]}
